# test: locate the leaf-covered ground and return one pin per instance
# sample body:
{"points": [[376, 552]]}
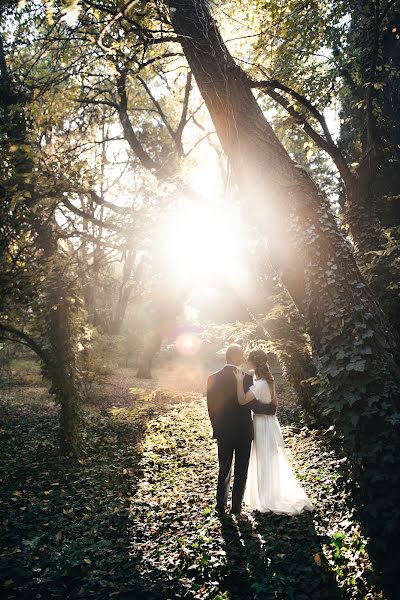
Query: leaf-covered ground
{"points": [[135, 518]]}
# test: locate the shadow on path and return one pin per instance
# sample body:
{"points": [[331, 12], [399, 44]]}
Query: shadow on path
{"points": [[276, 557], [64, 524]]}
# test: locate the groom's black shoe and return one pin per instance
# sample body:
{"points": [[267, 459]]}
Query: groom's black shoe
{"points": [[235, 510], [220, 509]]}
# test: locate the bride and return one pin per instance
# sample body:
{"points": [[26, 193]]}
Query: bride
{"points": [[271, 485]]}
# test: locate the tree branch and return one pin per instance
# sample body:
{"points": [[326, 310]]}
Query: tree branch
{"points": [[150, 61], [26, 339], [90, 238], [89, 217], [328, 145], [109, 103], [128, 130], [386, 10], [122, 210], [183, 120], [274, 84], [162, 115]]}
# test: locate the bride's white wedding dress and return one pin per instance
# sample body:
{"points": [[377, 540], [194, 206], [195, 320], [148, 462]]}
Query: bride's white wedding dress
{"points": [[271, 483]]}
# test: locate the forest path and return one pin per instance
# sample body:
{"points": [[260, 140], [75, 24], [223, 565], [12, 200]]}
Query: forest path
{"points": [[182, 549], [135, 520]]}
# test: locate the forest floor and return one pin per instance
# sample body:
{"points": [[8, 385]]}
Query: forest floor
{"points": [[134, 519]]}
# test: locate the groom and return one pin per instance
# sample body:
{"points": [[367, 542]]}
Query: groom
{"points": [[232, 427]]}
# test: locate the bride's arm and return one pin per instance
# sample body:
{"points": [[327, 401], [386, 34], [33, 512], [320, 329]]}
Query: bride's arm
{"points": [[244, 398]]}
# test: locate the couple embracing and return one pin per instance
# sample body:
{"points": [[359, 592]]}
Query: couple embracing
{"points": [[243, 417]]}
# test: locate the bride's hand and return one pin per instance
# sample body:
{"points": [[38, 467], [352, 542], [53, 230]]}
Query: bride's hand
{"points": [[239, 375]]}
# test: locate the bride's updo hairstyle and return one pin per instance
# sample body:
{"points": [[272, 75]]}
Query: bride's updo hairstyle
{"points": [[260, 361]]}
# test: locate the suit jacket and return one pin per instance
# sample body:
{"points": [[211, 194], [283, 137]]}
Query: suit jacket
{"points": [[229, 419]]}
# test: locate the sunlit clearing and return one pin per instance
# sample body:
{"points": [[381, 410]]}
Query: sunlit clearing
{"points": [[202, 245]]}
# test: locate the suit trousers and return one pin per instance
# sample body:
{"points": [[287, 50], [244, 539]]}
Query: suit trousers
{"points": [[227, 449]]}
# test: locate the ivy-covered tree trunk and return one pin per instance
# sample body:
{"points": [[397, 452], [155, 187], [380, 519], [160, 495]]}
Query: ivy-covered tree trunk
{"points": [[352, 346], [59, 321], [63, 375], [291, 345], [18, 195], [369, 131], [62, 328], [370, 139]]}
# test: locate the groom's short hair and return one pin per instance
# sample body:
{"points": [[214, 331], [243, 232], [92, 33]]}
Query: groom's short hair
{"points": [[231, 351]]}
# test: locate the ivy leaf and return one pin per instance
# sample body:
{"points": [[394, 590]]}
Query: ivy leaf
{"points": [[359, 365]]}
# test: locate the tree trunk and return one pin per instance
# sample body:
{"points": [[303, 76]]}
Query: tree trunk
{"points": [[61, 320], [169, 308], [126, 286], [351, 343], [362, 215], [62, 371], [153, 346]]}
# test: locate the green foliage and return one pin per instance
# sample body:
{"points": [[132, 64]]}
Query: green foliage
{"points": [[100, 355], [232, 333], [358, 382], [381, 269]]}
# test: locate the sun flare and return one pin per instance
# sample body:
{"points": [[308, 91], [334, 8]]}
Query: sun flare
{"points": [[202, 244]]}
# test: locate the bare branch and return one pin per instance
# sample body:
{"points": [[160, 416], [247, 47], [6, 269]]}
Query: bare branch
{"points": [[274, 84], [91, 218], [122, 210], [162, 114], [24, 338], [150, 61], [183, 120], [100, 102]]}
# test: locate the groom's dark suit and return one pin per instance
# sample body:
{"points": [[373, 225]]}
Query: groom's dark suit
{"points": [[233, 429]]}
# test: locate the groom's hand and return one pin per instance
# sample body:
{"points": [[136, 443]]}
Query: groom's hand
{"points": [[261, 408]]}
